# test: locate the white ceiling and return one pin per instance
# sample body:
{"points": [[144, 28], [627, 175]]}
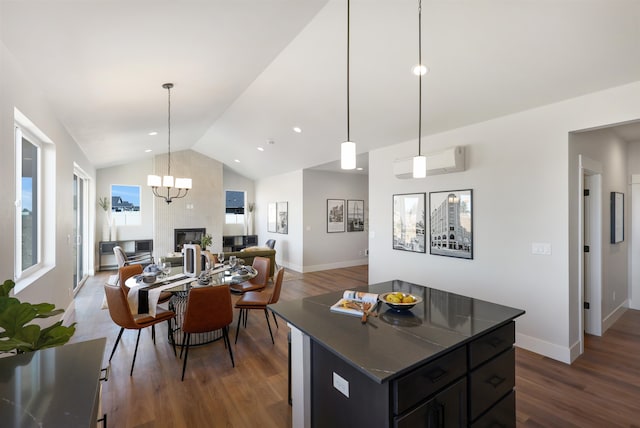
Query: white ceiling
{"points": [[247, 71]]}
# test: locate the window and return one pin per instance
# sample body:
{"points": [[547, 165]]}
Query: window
{"points": [[125, 205], [28, 195], [35, 185], [234, 207]]}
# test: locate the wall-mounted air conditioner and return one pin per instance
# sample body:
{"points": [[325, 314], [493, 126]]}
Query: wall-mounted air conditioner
{"points": [[442, 162]]}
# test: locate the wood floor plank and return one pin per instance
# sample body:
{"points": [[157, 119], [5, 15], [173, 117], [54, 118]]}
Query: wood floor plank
{"points": [[600, 389]]}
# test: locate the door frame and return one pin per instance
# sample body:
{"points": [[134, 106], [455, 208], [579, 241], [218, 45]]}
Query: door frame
{"points": [[592, 168]]}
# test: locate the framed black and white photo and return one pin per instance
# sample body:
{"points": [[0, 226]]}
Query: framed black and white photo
{"points": [[272, 217], [451, 223], [355, 215], [617, 217], [282, 217], [409, 222], [335, 215]]}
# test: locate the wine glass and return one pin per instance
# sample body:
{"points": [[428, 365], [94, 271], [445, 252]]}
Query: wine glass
{"points": [[221, 257], [166, 268], [233, 260]]}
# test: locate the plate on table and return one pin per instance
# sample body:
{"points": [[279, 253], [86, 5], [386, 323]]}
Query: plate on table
{"points": [[400, 301]]}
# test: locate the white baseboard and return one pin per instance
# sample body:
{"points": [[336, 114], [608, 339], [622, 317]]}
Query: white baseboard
{"points": [[551, 350], [337, 265], [614, 316]]}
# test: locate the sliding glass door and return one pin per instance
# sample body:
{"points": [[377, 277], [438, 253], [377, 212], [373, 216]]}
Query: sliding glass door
{"points": [[80, 228]]}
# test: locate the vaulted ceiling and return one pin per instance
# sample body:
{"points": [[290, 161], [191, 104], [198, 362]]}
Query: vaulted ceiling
{"points": [[247, 71]]}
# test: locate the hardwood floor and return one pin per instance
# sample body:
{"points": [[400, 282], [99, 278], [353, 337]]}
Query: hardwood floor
{"points": [[601, 389]]}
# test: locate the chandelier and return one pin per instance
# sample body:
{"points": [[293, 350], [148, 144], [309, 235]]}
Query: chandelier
{"points": [[166, 187]]}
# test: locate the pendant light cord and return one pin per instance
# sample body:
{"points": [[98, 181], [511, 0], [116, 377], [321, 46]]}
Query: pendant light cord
{"points": [[169, 129], [420, 78], [348, 32]]}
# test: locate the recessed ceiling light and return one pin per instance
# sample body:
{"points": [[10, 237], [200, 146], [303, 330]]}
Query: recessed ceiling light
{"points": [[148, 151], [271, 142], [420, 70], [297, 129], [152, 133], [359, 169], [236, 160], [261, 149]]}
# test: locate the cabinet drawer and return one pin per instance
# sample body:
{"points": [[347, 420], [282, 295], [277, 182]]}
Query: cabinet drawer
{"points": [[447, 409], [428, 379], [491, 344], [491, 382], [502, 415]]}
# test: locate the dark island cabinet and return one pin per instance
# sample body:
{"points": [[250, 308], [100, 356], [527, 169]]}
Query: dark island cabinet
{"points": [[469, 386]]}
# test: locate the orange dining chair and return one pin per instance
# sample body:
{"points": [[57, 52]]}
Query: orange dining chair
{"points": [[208, 309], [262, 265], [127, 271], [260, 300], [122, 316]]}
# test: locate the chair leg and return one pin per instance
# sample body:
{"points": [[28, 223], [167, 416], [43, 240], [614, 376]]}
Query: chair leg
{"points": [[266, 314], [135, 352], [238, 326], [246, 317], [116, 344], [186, 354], [153, 333], [275, 319], [225, 336], [173, 342]]}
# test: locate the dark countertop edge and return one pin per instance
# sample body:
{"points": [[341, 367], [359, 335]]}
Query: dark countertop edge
{"points": [[407, 369], [400, 373]]}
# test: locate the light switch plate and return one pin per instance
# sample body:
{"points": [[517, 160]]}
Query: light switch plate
{"points": [[341, 384], [541, 248]]}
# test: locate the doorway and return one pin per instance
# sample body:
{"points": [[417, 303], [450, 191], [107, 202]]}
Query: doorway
{"points": [[80, 228], [590, 241]]}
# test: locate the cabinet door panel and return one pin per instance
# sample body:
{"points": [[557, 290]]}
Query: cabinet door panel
{"points": [[448, 409], [491, 382], [502, 415], [428, 379], [491, 344]]}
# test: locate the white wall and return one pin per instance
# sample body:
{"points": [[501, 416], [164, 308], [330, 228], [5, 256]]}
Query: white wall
{"points": [[282, 188], [518, 168], [16, 91], [323, 250], [633, 166], [234, 181]]}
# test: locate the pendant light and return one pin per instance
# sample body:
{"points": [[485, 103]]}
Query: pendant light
{"points": [[420, 162], [164, 187], [348, 148]]}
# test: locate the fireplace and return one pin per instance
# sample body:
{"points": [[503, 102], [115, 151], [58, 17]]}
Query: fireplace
{"points": [[187, 236]]}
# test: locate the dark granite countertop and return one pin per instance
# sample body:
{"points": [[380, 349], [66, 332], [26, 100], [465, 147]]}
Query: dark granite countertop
{"points": [[55, 387], [394, 342]]}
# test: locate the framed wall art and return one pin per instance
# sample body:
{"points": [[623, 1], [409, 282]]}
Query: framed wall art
{"points": [[272, 217], [283, 217], [335, 215], [617, 217], [451, 223], [409, 222], [355, 215]]}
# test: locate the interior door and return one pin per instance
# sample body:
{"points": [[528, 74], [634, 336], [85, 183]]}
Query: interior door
{"points": [[586, 239]]}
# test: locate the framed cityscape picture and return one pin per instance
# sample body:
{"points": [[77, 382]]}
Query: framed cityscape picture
{"points": [[355, 215], [283, 217], [451, 223], [409, 222], [272, 217], [335, 215]]}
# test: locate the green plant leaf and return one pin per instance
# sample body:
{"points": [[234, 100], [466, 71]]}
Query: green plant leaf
{"points": [[55, 335], [6, 287], [14, 317]]}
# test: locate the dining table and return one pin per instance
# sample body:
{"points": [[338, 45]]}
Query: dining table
{"points": [[143, 297]]}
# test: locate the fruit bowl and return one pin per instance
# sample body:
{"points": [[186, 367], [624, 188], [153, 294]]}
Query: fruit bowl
{"points": [[400, 306]]}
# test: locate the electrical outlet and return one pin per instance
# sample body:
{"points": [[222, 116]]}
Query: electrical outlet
{"points": [[341, 384], [366, 252]]}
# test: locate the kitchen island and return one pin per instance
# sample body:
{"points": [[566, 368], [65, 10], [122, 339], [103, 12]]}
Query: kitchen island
{"points": [[448, 361]]}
